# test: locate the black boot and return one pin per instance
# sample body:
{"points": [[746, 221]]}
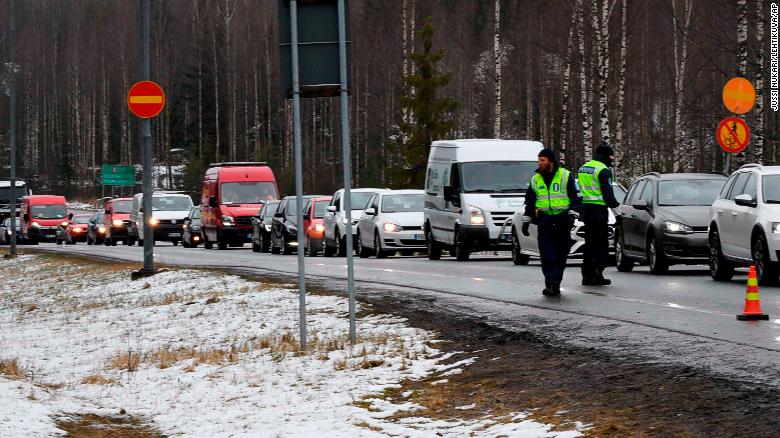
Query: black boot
{"points": [[588, 281], [600, 280], [548, 292]]}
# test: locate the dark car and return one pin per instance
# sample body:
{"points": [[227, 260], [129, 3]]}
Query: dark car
{"points": [[284, 231], [192, 234], [75, 231], [5, 232], [96, 229], [261, 225], [664, 221]]}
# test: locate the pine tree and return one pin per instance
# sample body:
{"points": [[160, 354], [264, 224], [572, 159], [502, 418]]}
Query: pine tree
{"points": [[431, 115]]}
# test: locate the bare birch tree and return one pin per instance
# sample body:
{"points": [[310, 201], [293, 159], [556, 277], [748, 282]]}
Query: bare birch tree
{"points": [[681, 27]]}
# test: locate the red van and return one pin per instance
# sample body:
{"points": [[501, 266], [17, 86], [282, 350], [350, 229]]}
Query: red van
{"points": [[232, 194], [41, 216], [116, 220]]}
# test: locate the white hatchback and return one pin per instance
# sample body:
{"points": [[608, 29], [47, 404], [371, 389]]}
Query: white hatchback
{"points": [[391, 222], [745, 224]]}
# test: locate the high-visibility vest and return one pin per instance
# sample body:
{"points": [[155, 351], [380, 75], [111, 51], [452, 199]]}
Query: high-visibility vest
{"points": [[555, 198], [590, 187]]}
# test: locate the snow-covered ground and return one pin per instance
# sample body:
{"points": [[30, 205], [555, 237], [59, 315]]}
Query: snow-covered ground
{"points": [[204, 354]]}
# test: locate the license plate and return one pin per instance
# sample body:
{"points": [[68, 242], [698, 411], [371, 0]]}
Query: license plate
{"points": [[174, 234], [419, 237]]}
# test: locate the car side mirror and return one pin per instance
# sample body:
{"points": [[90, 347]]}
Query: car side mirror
{"points": [[641, 204], [370, 211], [451, 194], [213, 202], [332, 209], [745, 200], [70, 216]]}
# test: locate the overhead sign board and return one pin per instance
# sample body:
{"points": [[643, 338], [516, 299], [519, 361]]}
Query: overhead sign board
{"points": [[116, 175], [318, 48]]}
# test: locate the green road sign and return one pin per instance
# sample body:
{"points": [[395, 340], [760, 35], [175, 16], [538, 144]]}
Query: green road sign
{"points": [[115, 175]]}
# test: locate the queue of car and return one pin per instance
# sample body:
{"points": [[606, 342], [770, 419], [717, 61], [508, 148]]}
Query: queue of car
{"points": [[474, 191]]}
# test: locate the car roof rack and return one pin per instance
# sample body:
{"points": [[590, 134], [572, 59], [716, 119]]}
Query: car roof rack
{"points": [[751, 166], [239, 163]]}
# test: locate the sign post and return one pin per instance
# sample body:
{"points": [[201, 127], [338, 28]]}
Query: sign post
{"points": [[146, 99], [739, 96]]}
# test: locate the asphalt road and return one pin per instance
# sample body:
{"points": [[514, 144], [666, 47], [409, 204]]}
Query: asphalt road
{"points": [[684, 301]]}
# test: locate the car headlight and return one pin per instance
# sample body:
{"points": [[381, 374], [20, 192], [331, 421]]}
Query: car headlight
{"points": [[102, 230], [677, 228], [36, 225], [775, 227], [268, 228], [154, 221], [391, 227], [227, 220], [184, 227], [475, 216], [319, 228], [75, 230], [118, 222], [9, 232]]}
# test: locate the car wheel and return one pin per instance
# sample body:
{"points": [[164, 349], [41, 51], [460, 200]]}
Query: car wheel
{"points": [[655, 258], [113, 242], [434, 247], [361, 249], [59, 242], [766, 271], [378, 252], [131, 241], [462, 252], [518, 258], [624, 264], [720, 268], [256, 247], [222, 243]]}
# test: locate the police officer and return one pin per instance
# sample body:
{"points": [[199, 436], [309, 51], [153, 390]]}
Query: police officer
{"points": [[550, 202], [595, 181]]}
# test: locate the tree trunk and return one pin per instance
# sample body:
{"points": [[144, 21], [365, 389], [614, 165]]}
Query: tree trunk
{"points": [[566, 85], [585, 90], [681, 158], [759, 112], [497, 64], [619, 144], [216, 95]]}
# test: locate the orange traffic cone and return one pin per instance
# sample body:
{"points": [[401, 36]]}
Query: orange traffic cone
{"points": [[752, 310]]}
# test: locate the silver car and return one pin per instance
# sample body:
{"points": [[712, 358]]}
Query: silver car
{"points": [[391, 222]]}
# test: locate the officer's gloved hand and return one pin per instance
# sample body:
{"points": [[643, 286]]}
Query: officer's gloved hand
{"points": [[526, 224]]}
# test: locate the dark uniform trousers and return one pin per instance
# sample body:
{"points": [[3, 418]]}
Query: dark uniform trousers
{"points": [[554, 244], [596, 252]]}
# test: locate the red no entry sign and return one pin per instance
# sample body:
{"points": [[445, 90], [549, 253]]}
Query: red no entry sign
{"points": [[145, 99], [733, 134]]}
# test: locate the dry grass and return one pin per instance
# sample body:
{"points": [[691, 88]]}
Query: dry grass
{"points": [[10, 368], [96, 426], [97, 379], [125, 361]]}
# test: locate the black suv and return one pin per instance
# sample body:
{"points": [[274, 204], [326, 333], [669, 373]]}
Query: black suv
{"points": [[284, 231], [261, 227], [664, 220]]}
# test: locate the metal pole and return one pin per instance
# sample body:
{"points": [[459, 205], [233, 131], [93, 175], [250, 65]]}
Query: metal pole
{"points": [[146, 138], [347, 166], [12, 134], [298, 167]]}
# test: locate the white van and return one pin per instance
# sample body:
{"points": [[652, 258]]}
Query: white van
{"points": [[472, 187], [169, 210]]}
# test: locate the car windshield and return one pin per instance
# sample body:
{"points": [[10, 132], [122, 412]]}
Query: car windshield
{"points": [[687, 192], [497, 176], [81, 219], [123, 207], [196, 213], [252, 192], [620, 193], [292, 207], [5, 193], [270, 209], [320, 208], [52, 211], [171, 203], [359, 199], [402, 203], [772, 189]]}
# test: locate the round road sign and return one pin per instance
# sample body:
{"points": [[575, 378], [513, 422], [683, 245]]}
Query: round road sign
{"points": [[145, 99], [739, 95], [733, 134]]}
